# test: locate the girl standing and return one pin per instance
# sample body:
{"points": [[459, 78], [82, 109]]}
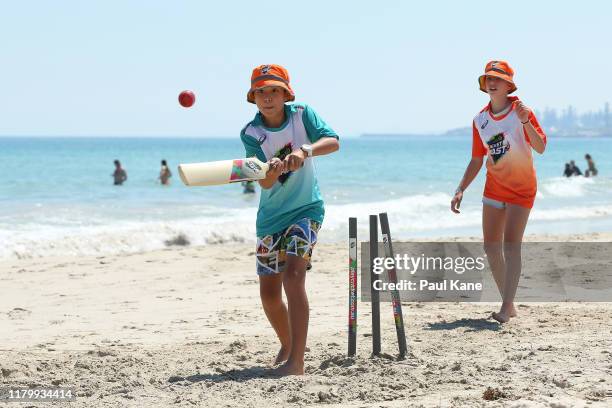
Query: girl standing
{"points": [[505, 131]]}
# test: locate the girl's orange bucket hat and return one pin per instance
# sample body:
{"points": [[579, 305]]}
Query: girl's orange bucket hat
{"points": [[498, 69], [269, 75]]}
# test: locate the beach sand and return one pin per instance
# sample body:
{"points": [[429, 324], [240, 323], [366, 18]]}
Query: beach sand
{"points": [[184, 327]]}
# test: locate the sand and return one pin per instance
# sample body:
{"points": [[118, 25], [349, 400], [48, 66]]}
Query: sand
{"points": [[184, 327]]}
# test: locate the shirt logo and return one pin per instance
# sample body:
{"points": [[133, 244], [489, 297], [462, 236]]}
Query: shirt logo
{"points": [[281, 154], [484, 125], [498, 147]]}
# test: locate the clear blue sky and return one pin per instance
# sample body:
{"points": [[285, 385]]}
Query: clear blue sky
{"points": [[116, 67]]}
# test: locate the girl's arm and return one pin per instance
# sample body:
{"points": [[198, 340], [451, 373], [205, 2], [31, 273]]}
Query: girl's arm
{"points": [[535, 139], [470, 174]]}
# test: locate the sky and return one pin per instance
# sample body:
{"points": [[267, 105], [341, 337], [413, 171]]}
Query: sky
{"points": [[115, 68]]}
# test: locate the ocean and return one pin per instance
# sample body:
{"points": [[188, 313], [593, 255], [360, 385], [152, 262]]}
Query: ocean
{"points": [[57, 197]]}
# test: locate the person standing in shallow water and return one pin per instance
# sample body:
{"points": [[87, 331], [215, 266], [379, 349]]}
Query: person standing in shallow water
{"points": [[505, 131], [164, 174], [119, 175], [592, 170], [248, 187]]}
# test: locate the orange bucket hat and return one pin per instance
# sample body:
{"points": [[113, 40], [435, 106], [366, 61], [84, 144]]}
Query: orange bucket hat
{"points": [[269, 75], [498, 69]]}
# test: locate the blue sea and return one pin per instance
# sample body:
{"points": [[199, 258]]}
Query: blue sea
{"points": [[57, 197]]}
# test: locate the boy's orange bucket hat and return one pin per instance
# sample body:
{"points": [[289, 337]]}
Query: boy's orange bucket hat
{"points": [[269, 75], [498, 69]]}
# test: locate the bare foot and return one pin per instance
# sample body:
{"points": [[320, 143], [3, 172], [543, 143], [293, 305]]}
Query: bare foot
{"points": [[288, 369], [513, 312], [283, 355], [501, 317]]}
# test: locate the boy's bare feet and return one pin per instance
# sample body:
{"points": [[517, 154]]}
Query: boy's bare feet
{"points": [[288, 369], [283, 355]]}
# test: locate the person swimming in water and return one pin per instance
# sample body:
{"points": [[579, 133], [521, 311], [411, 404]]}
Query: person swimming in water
{"points": [[575, 170], [568, 170]]}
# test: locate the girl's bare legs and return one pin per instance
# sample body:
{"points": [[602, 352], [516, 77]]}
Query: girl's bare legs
{"points": [[270, 292], [493, 227], [516, 221], [493, 223]]}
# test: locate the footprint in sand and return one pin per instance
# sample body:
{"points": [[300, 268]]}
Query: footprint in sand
{"points": [[179, 321], [18, 313]]}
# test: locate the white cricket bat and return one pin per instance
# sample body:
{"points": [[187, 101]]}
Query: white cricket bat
{"points": [[223, 172]]}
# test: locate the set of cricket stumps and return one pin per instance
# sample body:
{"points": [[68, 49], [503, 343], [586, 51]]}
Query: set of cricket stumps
{"points": [[375, 295]]}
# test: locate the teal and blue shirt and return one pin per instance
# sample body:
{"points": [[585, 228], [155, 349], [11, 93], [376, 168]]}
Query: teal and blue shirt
{"points": [[295, 195]]}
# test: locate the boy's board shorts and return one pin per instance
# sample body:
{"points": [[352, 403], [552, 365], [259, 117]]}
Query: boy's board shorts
{"points": [[298, 240]]}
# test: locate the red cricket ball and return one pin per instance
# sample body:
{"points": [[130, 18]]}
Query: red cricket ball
{"points": [[186, 99]]}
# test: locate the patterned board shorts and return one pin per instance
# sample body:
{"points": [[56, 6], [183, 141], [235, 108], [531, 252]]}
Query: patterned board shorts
{"points": [[298, 239]]}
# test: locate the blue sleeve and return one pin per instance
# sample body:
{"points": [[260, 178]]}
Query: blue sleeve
{"points": [[316, 128], [252, 147]]}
